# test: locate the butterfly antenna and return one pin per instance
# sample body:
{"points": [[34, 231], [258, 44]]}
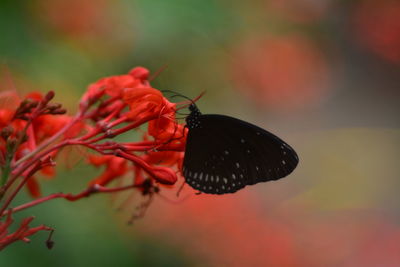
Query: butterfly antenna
{"points": [[177, 94], [192, 101], [199, 96], [158, 72]]}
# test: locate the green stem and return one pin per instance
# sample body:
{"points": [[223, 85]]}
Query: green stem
{"points": [[6, 169]]}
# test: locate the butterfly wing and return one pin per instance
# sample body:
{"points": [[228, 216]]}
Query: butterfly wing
{"points": [[225, 154]]}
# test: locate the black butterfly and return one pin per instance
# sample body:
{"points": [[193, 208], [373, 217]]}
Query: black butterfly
{"points": [[224, 154]]}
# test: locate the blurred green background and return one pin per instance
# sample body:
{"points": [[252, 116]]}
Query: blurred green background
{"points": [[323, 75]]}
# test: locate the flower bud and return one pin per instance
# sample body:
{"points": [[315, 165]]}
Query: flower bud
{"points": [[6, 132], [49, 96], [140, 73], [59, 111], [32, 104], [164, 175], [11, 143], [26, 106], [54, 106]]}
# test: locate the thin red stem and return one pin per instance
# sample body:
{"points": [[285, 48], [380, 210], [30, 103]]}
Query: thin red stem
{"points": [[21, 169], [123, 129], [70, 197], [34, 169]]}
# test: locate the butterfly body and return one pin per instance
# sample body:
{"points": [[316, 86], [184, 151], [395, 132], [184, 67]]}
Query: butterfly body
{"points": [[224, 154]]}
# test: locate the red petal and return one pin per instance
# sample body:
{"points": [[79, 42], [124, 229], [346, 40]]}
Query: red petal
{"points": [[98, 160], [140, 73], [33, 187], [49, 171], [164, 175]]}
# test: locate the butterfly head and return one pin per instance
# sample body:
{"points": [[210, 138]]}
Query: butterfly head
{"points": [[192, 121]]}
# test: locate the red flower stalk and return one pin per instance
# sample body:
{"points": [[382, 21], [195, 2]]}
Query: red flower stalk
{"points": [[33, 134], [21, 233]]}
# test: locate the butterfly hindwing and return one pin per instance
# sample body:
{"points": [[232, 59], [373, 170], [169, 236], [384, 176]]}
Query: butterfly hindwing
{"points": [[224, 154], [208, 168]]}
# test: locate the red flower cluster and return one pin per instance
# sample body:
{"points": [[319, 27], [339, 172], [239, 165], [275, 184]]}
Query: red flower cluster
{"points": [[33, 134]]}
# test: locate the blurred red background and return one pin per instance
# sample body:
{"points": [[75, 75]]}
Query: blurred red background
{"points": [[323, 75]]}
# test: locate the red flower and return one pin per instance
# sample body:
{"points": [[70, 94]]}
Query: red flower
{"points": [[34, 131], [166, 131], [5, 117], [140, 73], [48, 125], [166, 158], [115, 85], [33, 187], [145, 103], [115, 168], [22, 233]]}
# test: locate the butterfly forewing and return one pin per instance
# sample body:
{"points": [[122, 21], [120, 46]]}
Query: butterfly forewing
{"points": [[224, 154]]}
